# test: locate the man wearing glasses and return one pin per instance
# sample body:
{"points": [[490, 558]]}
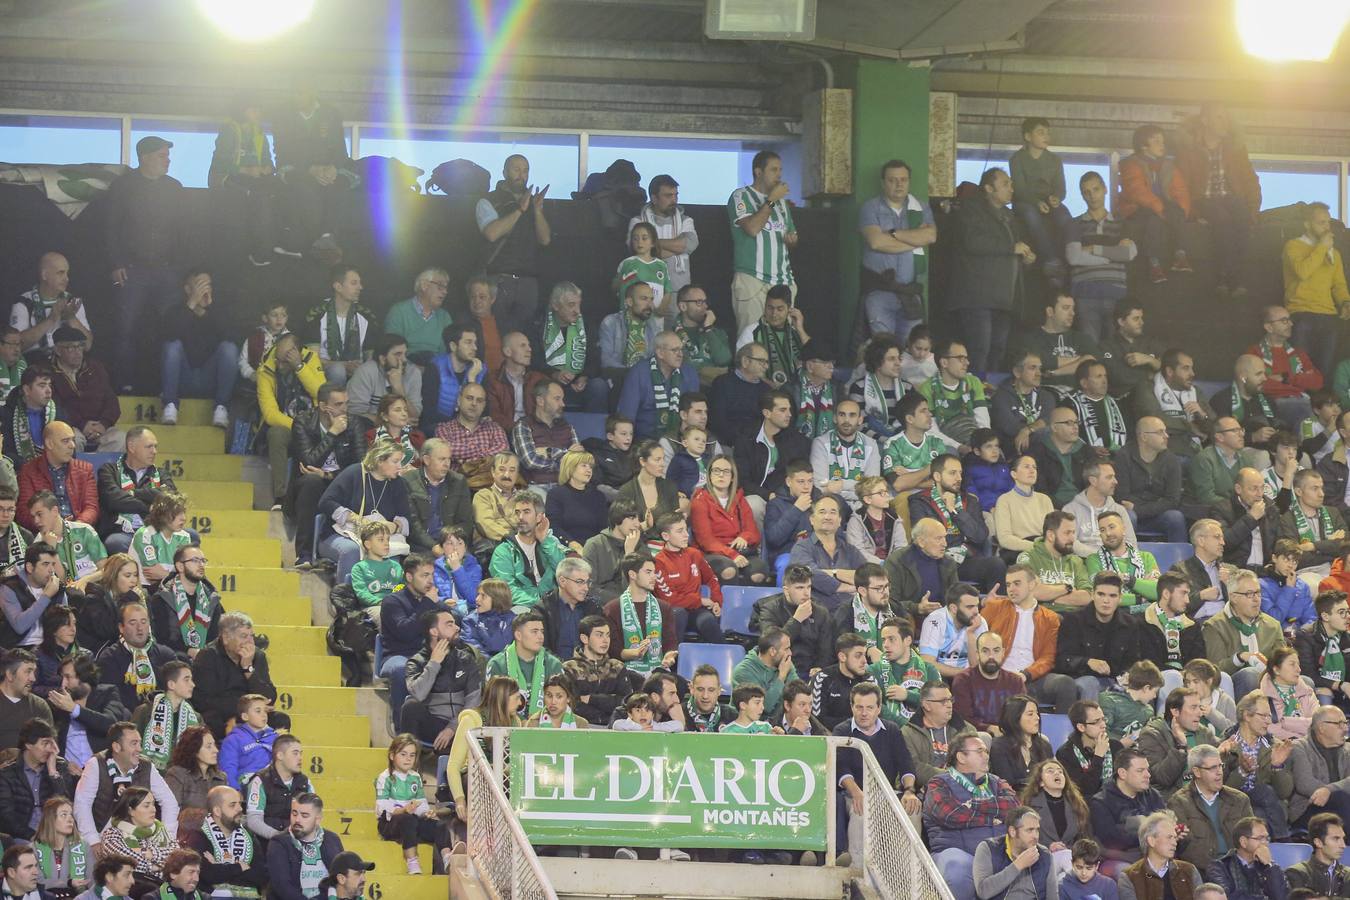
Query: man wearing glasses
{"points": [[1292, 375], [733, 398], [652, 389], [1060, 456], [185, 611], [955, 396], [1090, 752], [1213, 471], [1319, 648], [706, 347], [1321, 765], [1208, 807], [962, 807], [1149, 481], [421, 318], [1241, 638], [1247, 870], [565, 607]]}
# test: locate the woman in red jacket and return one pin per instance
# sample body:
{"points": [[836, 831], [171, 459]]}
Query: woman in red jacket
{"points": [[724, 528]]}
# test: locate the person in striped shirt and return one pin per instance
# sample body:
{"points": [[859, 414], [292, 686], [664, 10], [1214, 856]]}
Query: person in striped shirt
{"points": [[762, 234]]}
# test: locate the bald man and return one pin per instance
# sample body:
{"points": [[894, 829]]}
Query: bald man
{"points": [[1250, 522], [39, 312], [1149, 481], [57, 470], [237, 867], [1244, 399]]}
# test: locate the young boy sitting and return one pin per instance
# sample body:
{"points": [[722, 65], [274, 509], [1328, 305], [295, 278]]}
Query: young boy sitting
{"points": [[557, 711], [248, 747], [641, 716], [166, 715], [1128, 711], [1083, 881], [749, 702], [273, 326], [376, 576]]}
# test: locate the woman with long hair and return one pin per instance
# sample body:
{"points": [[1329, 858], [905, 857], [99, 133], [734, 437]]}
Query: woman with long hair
{"points": [[1064, 812], [576, 509], [58, 642], [116, 581], [365, 490], [1021, 745], [499, 708], [194, 768], [394, 423], [134, 831], [67, 864], [724, 527], [155, 543], [650, 491]]}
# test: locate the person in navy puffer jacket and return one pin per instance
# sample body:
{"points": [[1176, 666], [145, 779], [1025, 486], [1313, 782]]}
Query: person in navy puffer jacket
{"points": [[987, 475], [488, 627], [248, 746]]}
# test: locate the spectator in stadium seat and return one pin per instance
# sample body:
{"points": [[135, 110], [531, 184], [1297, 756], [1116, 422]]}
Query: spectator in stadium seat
{"points": [[340, 326], [646, 638], [1020, 512], [36, 586], [48, 306], [765, 449], [1168, 637], [370, 489], [444, 678], [1240, 638], [27, 412], [948, 636], [527, 558], [1059, 454], [1030, 656], [1089, 752], [307, 848], [1164, 741], [843, 454], [492, 510], [1097, 252], [876, 530], [735, 396], [1292, 374], [961, 516], [934, 730], [1158, 873], [1332, 466], [1173, 398], [1123, 804], [57, 470], [1062, 576], [1098, 642], [1153, 200], [604, 551], [238, 857], [262, 339], [1061, 347], [1244, 400], [106, 777], [677, 237], [388, 371], [629, 336], [707, 347], [473, 437], [186, 609], [1247, 871], [480, 294], [562, 348], [196, 360], [986, 288], [324, 442], [762, 234], [653, 387], [921, 574], [896, 228], [84, 395], [289, 378], [1224, 188], [526, 661], [724, 526], [866, 613], [1212, 472], [512, 220], [782, 332], [1318, 528], [601, 680], [1019, 408], [544, 436], [1148, 481], [963, 807], [146, 208], [808, 624], [1039, 193], [955, 397], [1100, 420], [832, 559], [1316, 789], [193, 769], [437, 497], [446, 374], [1097, 499], [228, 668], [980, 690], [1318, 656], [1322, 874], [888, 746], [32, 778], [421, 318], [12, 361], [565, 606], [127, 486], [997, 872], [1132, 358], [1207, 808], [880, 388]]}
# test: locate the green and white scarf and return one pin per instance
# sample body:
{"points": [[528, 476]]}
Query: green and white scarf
{"points": [[312, 868], [1115, 434], [140, 672], [1305, 529], [23, 435], [815, 412], [784, 347], [947, 403], [1171, 629], [138, 836], [634, 632], [666, 393], [237, 846], [847, 461], [981, 791], [1268, 356], [402, 439], [708, 723], [564, 348], [695, 344], [1288, 698], [1240, 405], [1085, 763], [569, 720], [1132, 555], [342, 344], [164, 727], [534, 700], [635, 338], [192, 614], [874, 397], [947, 516], [1332, 664], [166, 892], [49, 859], [1028, 406], [129, 522], [867, 626]]}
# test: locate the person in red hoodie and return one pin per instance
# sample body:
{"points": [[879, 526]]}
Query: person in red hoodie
{"points": [[1290, 373], [681, 574], [724, 527], [1152, 197]]}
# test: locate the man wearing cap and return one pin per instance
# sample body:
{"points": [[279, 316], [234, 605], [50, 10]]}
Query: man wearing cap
{"points": [[303, 857], [347, 877], [813, 390], [676, 236], [84, 395], [145, 215], [49, 305]]}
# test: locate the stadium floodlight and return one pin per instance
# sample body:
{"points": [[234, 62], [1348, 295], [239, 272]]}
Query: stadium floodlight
{"points": [[1291, 30], [255, 20]]}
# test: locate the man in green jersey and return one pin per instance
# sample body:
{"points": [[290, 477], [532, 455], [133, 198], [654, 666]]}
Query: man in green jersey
{"points": [[955, 396], [1063, 577], [77, 545], [1137, 568], [762, 233], [907, 458], [901, 672]]}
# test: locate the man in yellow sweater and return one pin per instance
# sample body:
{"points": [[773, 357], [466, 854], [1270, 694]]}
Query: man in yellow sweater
{"points": [[1314, 287]]}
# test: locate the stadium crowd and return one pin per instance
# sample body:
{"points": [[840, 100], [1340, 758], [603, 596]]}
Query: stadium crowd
{"points": [[946, 550]]}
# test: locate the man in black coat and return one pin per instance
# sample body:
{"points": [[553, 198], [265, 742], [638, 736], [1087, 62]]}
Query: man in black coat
{"points": [[324, 441], [85, 706], [759, 478], [1246, 514], [127, 487], [1098, 642], [132, 663], [450, 490], [228, 668], [189, 584], [806, 622], [19, 810], [564, 608]]}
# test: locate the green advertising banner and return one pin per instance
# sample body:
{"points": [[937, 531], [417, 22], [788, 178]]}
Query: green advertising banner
{"points": [[649, 789]]}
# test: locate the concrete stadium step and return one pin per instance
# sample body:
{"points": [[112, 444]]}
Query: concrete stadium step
{"points": [[380, 885], [332, 730], [230, 523], [149, 411], [202, 466], [179, 440], [346, 791], [386, 855], [310, 640], [352, 824], [296, 669], [209, 497], [345, 761], [269, 581], [267, 612], [315, 701], [243, 552]]}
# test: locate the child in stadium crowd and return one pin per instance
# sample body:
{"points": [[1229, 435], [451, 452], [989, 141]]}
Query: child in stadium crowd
{"points": [[248, 746], [1083, 881], [749, 702], [488, 628], [557, 711], [641, 717], [256, 345], [917, 364], [1218, 710], [1127, 711], [987, 475], [457, 571], [376, 576], [644, 266], [401, 804], [155, 542], [688, 467]]}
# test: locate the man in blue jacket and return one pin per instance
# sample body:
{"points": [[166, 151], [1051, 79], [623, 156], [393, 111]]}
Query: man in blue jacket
{"points": [[651, 391], [401, 631], [892, 754]]}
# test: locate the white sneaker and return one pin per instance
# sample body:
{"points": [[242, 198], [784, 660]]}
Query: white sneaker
{"points": [[625, 853], [169, 415], [221, 417], [414, 865], [674, 854]]}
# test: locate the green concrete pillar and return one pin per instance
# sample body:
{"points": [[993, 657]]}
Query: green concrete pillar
{"points": [[890, 120]]}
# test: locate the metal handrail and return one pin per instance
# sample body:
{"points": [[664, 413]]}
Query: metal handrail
{"points": [[500, 855]]}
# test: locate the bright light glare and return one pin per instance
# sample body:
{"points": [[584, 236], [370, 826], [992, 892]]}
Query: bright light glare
{"points": [[255, 20], [1291, 30]]}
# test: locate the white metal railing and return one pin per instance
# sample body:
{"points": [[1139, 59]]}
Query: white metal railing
{"points": [[500, 856]]}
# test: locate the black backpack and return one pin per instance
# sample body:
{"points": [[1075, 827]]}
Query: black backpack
{"points": [[460, 178], [351, 636]]}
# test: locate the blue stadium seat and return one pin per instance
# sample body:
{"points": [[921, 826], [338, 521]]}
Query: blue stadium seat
{"points": [[587, 425], [723, 657], [98, 459], [737, 604], [1286, 855], [1168, 555], [780, 565], [1057, 729]]}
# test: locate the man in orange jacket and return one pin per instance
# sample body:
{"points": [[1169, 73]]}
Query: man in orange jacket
{"points": [[1153, 199], [1034, 658]]}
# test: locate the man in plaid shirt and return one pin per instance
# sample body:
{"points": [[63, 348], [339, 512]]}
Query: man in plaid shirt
{"points": [[474, 438], [541, 439], [962, 807]]}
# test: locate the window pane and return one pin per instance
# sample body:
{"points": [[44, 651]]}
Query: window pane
{"points": [[193, 144], [708, 170], [1286, 182], [972, 163], [60, 140], [553, 157]]}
